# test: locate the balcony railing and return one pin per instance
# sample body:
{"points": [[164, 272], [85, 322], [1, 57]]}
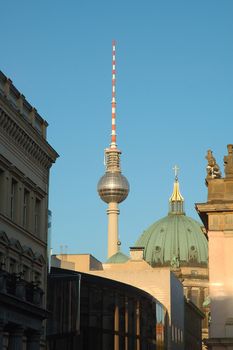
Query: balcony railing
{"points": [[14, 285]]}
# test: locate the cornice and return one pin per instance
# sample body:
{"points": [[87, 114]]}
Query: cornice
{"points": [[25, 232], [31, 143], [215, 207]]}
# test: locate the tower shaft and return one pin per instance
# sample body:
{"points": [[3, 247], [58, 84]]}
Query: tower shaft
{"points": [[113, 239]]}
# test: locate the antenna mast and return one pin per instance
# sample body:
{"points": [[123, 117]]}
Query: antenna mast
{"points": [[113, 133]]}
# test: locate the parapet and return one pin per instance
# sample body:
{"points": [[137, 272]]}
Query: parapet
{"points": [[19, 104]]}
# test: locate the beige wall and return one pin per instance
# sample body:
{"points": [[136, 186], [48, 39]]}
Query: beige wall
{"points": [[221, 283], [217, 216], [80, 262]]}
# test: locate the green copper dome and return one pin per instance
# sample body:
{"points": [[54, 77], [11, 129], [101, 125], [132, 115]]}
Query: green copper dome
{"points": [[175, 240], [117, 258]]}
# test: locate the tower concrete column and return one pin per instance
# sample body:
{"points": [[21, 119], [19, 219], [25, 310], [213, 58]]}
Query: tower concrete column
{"points": [[113, 213]]}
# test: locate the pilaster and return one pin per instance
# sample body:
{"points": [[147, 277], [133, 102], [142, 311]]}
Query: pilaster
{"points": [[4, 200], [18, 204], [16, 338], [116, 325], [33, 340], [2, 325], [31, 216]]}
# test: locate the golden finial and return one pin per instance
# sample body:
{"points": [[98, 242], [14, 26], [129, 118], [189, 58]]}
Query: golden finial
{"points": [[176, 200]]}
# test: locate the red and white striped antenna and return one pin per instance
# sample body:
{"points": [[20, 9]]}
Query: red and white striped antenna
{"points": [[113, 133]]}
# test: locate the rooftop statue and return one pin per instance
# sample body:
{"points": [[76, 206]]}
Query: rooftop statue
{"points": [[175, 264], [212, 169], [228, 162]]}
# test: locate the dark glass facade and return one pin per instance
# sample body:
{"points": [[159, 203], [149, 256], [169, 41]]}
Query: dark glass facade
{"points": [[112, 315]]}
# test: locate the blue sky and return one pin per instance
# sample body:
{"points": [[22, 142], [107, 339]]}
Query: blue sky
{"points": [[174, 101]]}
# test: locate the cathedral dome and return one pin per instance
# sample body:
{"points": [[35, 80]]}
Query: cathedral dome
{"points": [[175, 240]]}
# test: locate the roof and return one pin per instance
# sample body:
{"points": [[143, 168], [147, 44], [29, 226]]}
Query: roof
{"points": [[175, 240], [117, 258]]}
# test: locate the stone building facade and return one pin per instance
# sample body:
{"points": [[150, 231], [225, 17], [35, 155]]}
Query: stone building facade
{"points": [[25, 161], [217, 216]]}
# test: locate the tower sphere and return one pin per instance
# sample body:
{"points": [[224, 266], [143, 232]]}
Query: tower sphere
{"points": [[113, 187]]}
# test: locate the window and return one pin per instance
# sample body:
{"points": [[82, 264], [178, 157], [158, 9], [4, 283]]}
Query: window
{"points": [[12, 266], [13, 199], [181, 336], [37, 216], [37, 277], [26, 273], [2, 190], [194, 272], [2, 261], [25, 207], [195, 296]]}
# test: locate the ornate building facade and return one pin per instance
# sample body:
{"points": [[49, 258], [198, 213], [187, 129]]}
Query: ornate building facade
{"points": [[217, 216], [25, 161]]}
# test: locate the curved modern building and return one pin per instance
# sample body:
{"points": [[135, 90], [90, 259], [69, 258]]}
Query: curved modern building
{"points": [[102, 314]]}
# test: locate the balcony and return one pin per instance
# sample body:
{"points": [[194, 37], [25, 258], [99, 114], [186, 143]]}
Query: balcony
{"points": [[14, 285]]}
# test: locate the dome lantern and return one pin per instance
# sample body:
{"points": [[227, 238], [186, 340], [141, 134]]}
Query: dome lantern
{"points": [[176, 201]]}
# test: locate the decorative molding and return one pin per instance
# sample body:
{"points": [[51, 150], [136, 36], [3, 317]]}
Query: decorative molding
{"points": [[15, 245], [23, 251], [4, 238], [22, 230], [39, 259], [24, 141]]}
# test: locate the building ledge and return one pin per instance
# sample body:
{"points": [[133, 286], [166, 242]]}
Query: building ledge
{"points": [[218, 341]]}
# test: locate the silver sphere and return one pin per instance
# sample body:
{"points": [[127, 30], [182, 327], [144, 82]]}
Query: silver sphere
{"points": [[113, 187]]}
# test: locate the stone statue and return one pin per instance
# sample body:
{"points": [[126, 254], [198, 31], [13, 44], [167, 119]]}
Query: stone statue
{"points": [[212, 169], [228, 162], [175, 264]]}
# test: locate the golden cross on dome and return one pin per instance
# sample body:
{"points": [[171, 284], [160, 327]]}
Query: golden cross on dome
{"points": [[176, 169]]}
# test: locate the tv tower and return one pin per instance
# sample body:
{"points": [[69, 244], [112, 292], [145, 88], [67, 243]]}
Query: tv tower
{"points": [[113, 187]]}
